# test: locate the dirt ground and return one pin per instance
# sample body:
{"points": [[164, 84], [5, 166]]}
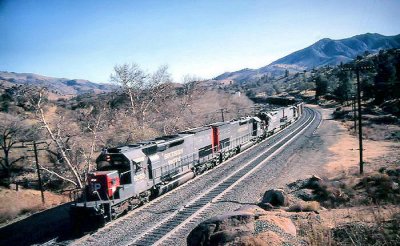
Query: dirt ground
{"points": [[343, 146], [346, 154], [342, 163]]}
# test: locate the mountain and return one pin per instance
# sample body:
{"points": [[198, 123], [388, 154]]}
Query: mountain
{"points": [[61, 86], [324, 52]]}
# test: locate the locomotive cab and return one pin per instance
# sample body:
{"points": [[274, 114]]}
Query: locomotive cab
{"points": [[117, 184], [130, 168]]}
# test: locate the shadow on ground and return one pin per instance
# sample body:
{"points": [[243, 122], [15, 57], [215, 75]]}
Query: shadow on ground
{"points": [[50, 225]]}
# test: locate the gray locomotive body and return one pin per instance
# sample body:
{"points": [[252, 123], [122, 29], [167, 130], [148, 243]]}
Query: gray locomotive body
{"points": [[130, 175]]}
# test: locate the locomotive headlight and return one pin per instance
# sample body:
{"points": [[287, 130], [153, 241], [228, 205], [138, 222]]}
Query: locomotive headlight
{"points": [[108, 158]]}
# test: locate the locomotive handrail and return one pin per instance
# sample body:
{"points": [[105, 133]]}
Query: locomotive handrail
{"points": [[171, 168], [126, 172]]}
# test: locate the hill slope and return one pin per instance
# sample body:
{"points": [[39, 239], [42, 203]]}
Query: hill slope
{"points": [[324, 52], [61, 86]]}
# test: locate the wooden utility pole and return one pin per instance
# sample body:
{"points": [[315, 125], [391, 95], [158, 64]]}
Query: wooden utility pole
{"points": [[35, 150], [354, 113], [360, 141], [222, 114], [357, 68], [38, 170]]}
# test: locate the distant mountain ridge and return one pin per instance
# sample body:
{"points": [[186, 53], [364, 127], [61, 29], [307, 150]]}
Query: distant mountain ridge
{"points": [[324, 52], [61, 86]]}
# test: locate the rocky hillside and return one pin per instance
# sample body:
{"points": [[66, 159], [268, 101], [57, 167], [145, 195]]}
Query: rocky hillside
{"points": [[61, 86], [324, 52], [313, 211]]}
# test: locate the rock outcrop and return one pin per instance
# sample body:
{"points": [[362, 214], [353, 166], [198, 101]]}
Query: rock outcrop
{"points": [[267, 223], [250, 225], [275, 197]]}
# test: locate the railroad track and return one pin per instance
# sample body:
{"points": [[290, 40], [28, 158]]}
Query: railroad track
{"points": [[178, 223]]}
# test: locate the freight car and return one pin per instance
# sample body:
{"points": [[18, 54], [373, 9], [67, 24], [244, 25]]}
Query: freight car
{"points": [[131, 175]]}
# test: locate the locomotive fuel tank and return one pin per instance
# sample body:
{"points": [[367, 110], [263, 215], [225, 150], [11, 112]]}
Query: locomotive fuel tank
{"points": [[177, 181]]}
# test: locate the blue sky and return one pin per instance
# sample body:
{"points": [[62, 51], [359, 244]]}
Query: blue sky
{"points": [[85, 39]]}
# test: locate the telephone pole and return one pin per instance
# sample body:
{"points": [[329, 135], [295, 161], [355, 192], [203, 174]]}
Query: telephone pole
{"points": [[35, 150], [360, 141], [357, 68], [222, 114]]}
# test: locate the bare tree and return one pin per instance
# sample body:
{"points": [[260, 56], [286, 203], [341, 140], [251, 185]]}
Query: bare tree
{"points": [[93, 120], [146, 91], [179, 114], [12, 131], [57, 139], [190, 85], [132, 79]]}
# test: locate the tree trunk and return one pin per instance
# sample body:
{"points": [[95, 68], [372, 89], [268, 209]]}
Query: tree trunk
{"points": [[60, 148]]}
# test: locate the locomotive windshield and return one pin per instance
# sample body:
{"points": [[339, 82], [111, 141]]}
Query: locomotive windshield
{"points": [[112, 162]]}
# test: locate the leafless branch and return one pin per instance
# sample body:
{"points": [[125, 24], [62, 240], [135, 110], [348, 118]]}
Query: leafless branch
{"points": [[58, 175]]}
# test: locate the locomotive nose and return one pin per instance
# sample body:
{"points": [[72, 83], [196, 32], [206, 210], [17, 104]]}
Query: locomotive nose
{"points": [[105, 183]]}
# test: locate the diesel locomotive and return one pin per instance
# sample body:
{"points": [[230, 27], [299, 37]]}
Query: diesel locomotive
{"points": [[129, 176]]}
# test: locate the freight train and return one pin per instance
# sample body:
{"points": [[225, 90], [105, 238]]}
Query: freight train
{"points": [[129, 176]]}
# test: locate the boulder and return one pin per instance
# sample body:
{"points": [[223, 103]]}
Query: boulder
{"points": [[314, 182], [308, 183], [275, 197], [222, 229], [247, 226], [305, 194], [395, 186]]}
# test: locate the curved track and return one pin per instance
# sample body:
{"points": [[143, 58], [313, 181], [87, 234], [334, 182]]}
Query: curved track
{"points": [[167, 222]]}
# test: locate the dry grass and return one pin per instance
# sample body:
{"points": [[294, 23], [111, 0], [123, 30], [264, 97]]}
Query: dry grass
{"points": [[370, 225], [303, 206], [365, 220], [382, 231], [319, 236]]}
